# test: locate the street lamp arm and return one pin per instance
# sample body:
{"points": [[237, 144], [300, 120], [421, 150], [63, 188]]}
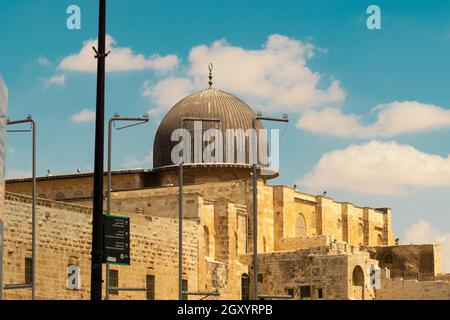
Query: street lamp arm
{"points": [[14, 122], [183, 119], [133, 124], [257, 118]]}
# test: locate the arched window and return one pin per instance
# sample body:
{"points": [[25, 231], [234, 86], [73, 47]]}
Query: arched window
{"points": [[60, 196], [339, 224], [300, 226], [78, 195], [358, 276], [245, 287], [379, 240], [361, 234], [206, 235]]}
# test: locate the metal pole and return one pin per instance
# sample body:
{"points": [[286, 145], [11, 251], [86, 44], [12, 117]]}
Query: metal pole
{"points": [[180, 231], [255, 200], [33, 215], [97, 219], [255, 218], [108, 199], [29, 119], [116, 117]]}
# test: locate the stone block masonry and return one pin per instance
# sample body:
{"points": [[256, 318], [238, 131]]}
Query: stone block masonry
{"points": [[64, 238]]}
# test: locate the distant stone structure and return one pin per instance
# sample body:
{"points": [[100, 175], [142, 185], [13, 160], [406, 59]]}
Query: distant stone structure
{"points": [[309, 246]]}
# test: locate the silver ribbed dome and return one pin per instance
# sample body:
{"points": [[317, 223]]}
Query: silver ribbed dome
{"points": [[209, 103]]}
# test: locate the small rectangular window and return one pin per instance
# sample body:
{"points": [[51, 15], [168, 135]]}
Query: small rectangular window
{"points": [[184, 288], [305, 292], [260, 278], [150, 280], [290, 292], [320, 293], [28, 270], [114, 281]]}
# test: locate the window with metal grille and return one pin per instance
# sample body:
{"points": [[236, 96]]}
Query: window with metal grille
{"points": [[245, 287], [150, 280], [28, 270], [260, 278], [320, 293], [305, 291], [113, 281], [184, 288]]}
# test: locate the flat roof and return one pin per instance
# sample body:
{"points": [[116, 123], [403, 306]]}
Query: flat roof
{"points": [[77, 175]]}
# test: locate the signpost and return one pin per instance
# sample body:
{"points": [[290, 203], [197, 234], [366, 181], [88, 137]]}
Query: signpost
{"points": [[116, 240]]}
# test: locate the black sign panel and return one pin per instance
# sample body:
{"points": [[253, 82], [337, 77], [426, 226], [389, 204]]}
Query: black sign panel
{"points": [[116, 240]]}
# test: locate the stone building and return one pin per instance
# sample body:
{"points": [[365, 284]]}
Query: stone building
{"points": [[309, 246]]}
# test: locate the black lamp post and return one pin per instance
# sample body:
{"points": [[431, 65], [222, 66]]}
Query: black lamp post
{"points": [[97, 212]]}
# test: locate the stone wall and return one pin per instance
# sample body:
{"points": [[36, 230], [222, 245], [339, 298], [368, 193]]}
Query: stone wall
{"points": [[295, 243], [325, 216], [326, 269], [77, 186], [289, 207], [401, 289], [409, 261], [279, 207], [64, 237]]}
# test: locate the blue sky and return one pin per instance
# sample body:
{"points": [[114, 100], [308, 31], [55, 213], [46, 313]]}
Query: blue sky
{"points": [[404, 67]]}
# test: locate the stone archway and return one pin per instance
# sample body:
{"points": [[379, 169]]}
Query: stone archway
{"points": [[357, 283], [300, 226], [245, 287]]}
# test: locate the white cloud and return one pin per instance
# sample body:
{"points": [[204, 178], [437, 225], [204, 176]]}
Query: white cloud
{"points": [[86, 115], [166, 93], [395, 118], [423, 232], [274, 77], [131, 162], [17, 174], [120, 59], [384, 168], [56, 80], [43, 61]]}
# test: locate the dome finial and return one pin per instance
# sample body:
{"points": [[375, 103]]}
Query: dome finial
{"points": [[210, 68]]}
